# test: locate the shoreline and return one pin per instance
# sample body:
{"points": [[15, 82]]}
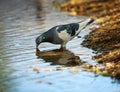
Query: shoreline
{"points": [[105, 38]]}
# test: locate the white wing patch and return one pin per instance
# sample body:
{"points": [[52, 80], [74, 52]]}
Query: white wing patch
{"points": [[64, 36]]}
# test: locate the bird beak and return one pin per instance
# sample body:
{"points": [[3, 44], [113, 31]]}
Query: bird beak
{"points": [[37, 45], [38, 41], [37, 51]]}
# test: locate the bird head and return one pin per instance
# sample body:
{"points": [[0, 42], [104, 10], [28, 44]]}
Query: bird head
{"points": [[40, 39]]}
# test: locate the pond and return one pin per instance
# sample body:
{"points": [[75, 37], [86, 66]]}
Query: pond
{"points": [[25, 69]]}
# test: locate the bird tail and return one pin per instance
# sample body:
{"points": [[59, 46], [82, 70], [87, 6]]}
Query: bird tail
{"points": [[86, 22], [83, 24]]}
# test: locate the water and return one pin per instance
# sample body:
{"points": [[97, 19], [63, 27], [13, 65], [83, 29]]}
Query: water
{"points": [[21, 21]]}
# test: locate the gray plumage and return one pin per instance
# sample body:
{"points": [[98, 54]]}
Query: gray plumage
{"points": [[61, 34]]}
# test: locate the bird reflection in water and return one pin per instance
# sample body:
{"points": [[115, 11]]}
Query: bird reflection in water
{"points": [[58, 57]]}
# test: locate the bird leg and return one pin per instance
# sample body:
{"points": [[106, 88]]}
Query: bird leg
{"points": [[62, 47]]}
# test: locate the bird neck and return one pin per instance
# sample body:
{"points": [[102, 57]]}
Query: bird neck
{"points": [[48, 36]]}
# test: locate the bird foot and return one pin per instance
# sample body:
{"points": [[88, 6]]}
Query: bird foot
{"points": [[78, 36], [62, 49]]}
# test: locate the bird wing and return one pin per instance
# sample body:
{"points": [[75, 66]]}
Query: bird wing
{"points": [[73, 28], [69, 28]]}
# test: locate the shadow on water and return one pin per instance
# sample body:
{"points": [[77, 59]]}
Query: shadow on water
{"points": [[58, 57]]}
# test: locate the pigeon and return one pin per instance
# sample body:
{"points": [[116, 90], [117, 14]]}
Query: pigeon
{"points": [[61, 34]]}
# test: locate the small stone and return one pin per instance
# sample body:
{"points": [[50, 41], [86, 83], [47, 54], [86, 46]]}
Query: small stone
{"points": [[36, 69]]}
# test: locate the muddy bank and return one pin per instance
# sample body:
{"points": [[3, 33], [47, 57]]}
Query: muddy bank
{"points": [[105, 38]]}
